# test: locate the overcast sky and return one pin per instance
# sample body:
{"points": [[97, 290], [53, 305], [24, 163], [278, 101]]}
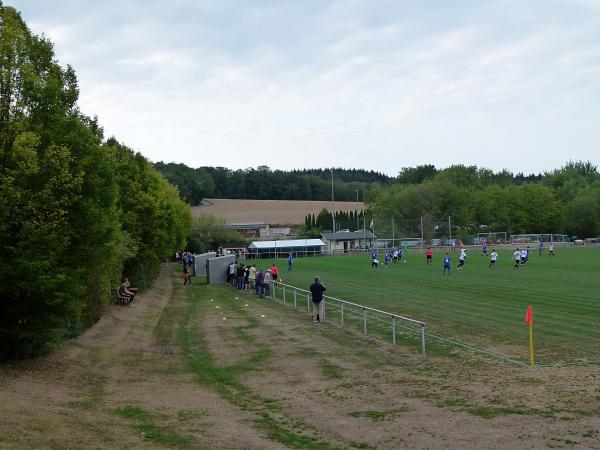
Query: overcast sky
{"points": [[367, 84]]}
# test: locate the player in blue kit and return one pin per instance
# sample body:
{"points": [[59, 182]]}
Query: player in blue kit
{"points": [[374, 262], [446, 265]]}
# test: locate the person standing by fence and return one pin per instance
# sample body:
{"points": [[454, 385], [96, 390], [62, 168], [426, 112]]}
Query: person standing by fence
{"points": [[290, 262], [267, 278], [259, 280], [317, 289], [274, 273]]}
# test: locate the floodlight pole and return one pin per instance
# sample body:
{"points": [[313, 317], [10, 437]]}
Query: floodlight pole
{"points": [[357, 225], [421, 234], [332, 203], [449, 229]]}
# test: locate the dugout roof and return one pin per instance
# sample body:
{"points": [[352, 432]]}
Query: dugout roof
{"points": [[286, 243]]}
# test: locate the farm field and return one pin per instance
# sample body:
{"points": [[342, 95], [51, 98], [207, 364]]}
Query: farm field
{"points": [[477, 305], [274, 212]]}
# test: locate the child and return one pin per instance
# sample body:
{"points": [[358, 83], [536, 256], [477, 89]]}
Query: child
{"points": [[493, 258], [446, 265], [461, 258], [517, 258], [186, 277]]}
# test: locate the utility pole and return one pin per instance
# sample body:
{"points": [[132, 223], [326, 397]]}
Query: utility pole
{"points": [[421, 234], [357, 225], [365, 231], [449, 229], [332, 202]]}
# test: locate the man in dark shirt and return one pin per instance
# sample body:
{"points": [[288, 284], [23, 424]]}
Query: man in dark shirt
{"points": [[317, 289]]}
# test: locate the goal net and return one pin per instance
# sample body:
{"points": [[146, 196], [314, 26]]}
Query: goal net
{"points": [[498, 237], [530, 238]]}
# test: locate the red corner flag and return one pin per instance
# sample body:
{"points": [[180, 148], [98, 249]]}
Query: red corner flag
{"points": [[529, 316]]}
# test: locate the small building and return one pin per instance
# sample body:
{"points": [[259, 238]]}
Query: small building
{"points": [[275, 232], [282, 248], [347, 241], [248, 229]]}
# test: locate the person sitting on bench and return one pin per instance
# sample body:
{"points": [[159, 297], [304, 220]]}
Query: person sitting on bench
{"points": [[128, 291]]}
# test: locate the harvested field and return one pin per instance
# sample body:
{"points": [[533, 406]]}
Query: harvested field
{"points": [[273, 212]]}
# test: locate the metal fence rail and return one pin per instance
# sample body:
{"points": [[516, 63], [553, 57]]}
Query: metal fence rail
{"points": [[346, 310]]}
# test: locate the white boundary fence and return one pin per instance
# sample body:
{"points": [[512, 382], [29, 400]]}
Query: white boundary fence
{"points": [[347, 309]]}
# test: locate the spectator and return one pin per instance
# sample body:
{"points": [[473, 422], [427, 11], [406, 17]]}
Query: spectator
{"points": [[127, 290], [186, 277], [240, 277], [259, 280], [252, 276], [274, 272], [246, 278], [231, 277], [267, 284], [317, 289]]}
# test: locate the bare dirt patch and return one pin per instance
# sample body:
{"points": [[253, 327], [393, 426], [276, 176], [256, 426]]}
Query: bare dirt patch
{"points": [[274, 212]]}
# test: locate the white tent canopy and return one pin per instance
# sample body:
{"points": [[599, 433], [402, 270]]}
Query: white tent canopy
{"points": [[286, 243]]}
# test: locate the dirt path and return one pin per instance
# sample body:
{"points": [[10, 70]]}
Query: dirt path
{"points": [[122, 384], [209, 367]]}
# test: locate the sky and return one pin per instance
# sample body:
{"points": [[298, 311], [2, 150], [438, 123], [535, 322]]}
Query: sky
{"points": [[371, 84]]}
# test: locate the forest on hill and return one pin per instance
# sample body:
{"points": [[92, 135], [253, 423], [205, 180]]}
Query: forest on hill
{"points": [[565, 200], [76, 211], [264, 183]]}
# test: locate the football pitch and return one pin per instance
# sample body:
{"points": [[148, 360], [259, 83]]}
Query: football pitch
{"points": [[477, 305]]}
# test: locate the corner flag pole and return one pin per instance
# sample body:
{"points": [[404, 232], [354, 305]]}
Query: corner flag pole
{"points": [[529, 321]]}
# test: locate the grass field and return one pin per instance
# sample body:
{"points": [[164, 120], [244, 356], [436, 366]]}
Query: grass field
{"points": [[477, 305]]}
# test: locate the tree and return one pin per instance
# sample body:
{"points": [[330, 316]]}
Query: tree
{"points": [[324, 220], [207, 235], [73, 212]]}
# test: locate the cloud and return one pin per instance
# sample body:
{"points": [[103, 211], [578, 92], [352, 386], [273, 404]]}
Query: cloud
{"points": [[293, 84]]}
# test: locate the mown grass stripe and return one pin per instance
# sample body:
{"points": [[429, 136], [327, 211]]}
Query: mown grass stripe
{"points": [[476, 304]]}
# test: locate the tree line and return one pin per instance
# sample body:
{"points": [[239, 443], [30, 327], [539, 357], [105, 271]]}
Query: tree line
{"points": [[263, 183], [565, 200], [76, 212]]}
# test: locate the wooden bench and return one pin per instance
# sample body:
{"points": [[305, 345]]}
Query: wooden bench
{"points": [[121, 298]]}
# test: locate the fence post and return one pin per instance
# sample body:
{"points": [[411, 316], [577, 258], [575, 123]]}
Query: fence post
{"points": [[308, 302], [342, 312], [364, 321], [283, 294], [294, 298], [423, 340], [393, 330], [274, 296]]}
